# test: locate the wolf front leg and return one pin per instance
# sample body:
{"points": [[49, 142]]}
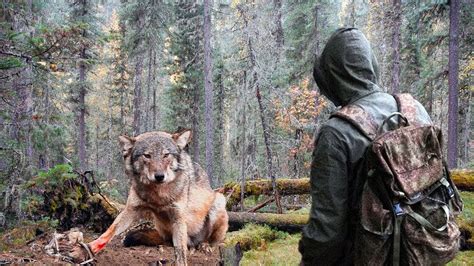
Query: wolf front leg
{"points": [[180, 239], [120, 224]]}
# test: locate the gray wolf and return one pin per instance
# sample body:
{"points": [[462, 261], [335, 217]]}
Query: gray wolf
{"points": [[175, 191]]}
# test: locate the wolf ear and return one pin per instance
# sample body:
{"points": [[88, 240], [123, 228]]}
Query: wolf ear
{"points": [[127, 143], [182, 138]]}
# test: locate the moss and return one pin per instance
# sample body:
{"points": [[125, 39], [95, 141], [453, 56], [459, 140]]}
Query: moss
{"points": [[253, 237], [463, 258], [283, 251], [20, 235]]}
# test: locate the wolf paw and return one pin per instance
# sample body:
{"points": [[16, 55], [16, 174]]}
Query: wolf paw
{"points": [[205, 248], [180, 255]]}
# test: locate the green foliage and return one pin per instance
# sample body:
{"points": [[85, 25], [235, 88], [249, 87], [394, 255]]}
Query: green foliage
{"points": [[10, 62], [54, 177]]}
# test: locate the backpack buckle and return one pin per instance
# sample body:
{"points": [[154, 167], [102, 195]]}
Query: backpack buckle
{"points": [[397, 209]]}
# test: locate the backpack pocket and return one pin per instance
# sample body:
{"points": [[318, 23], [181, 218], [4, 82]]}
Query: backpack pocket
{"points": [[373, 239], [430, 233]]}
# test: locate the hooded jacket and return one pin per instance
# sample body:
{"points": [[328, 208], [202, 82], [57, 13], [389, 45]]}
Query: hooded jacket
{"points": [[346, 73]]}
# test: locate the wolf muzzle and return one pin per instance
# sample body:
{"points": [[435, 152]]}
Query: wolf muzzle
{"points": [[159, 178]]}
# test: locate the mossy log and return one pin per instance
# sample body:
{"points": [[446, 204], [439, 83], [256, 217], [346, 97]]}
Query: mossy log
{"points": [[285, 222], [463, 178], [264, 187]]}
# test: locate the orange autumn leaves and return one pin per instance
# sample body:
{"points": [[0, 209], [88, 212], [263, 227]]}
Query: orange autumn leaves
{"points": [[298, 116]]}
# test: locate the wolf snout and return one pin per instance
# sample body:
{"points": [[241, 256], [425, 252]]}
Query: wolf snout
{"points": [[159, 177]]}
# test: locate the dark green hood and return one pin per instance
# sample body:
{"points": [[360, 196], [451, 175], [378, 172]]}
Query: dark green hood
{"points": [[347, 68]]}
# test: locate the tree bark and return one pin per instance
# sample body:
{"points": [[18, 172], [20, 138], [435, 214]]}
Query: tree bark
{"points": [[149, 86], [464, 125], [81, 115], [453, 83], [397, 21], [208, 91], [137, 97], [280, 41], [195, 121]]}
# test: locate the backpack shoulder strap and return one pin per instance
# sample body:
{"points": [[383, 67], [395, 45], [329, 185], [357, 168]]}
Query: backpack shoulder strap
{"points": [[407, 106], [359, 118]]}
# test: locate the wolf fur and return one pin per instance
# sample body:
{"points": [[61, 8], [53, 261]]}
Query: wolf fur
{"points": [[166, 183]]}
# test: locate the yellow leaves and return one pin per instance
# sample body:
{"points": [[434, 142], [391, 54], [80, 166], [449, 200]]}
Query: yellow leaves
{"points": [[305, 105], [468, 69]]}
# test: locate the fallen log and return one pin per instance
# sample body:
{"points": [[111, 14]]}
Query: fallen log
{"points": [[293, 223], [284, 222], [463, 178], [264, 187]]}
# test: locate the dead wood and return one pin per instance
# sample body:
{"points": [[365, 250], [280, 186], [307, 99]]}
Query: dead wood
{"points": [[463, 178]]}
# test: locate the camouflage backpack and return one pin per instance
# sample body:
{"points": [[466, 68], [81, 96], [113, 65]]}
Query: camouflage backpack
{"points": [[406, 205]]}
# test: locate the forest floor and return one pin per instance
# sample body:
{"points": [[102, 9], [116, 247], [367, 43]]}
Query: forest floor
{"points": [[261, 245], [114, 254]]}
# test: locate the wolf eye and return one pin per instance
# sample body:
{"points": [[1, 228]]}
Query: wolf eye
{"points": [[148, 156], [166, 155]]}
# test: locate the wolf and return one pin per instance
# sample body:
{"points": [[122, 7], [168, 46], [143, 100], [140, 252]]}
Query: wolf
{"points": [[175, 191]]}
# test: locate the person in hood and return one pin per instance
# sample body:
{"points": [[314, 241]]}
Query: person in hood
{"points": [[346, 73]]}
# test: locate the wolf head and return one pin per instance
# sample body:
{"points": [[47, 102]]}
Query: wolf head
{"points": [[155, 157]]}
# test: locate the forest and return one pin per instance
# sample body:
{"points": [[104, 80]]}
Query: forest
{"points": [[77, 74]]}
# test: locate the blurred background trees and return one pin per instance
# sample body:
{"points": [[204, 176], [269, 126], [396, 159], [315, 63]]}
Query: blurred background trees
{"points": [[74, 75]]}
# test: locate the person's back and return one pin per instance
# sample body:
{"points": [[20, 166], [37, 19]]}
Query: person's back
{"points": [[346, 73]]}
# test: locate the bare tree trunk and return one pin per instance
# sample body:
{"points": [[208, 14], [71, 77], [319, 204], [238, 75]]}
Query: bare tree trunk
{"points": [[464, 125], [149, 85], [280, 41], [243, 164], [453, 83], [195, 122], [208, 91], [154, 92], [266, 137], [266, 133], [137, 97], [316, 31], [397, 21], [81, 115]]}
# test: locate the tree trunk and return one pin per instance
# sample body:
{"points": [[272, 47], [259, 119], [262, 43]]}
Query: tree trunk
{"points": [[464, 125], [280, 41], [208, 91], [154, 92], [453, 83], [137, 97], [81, 114], [195, 121], [149, 86], [397, 21], [266, 138]]}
